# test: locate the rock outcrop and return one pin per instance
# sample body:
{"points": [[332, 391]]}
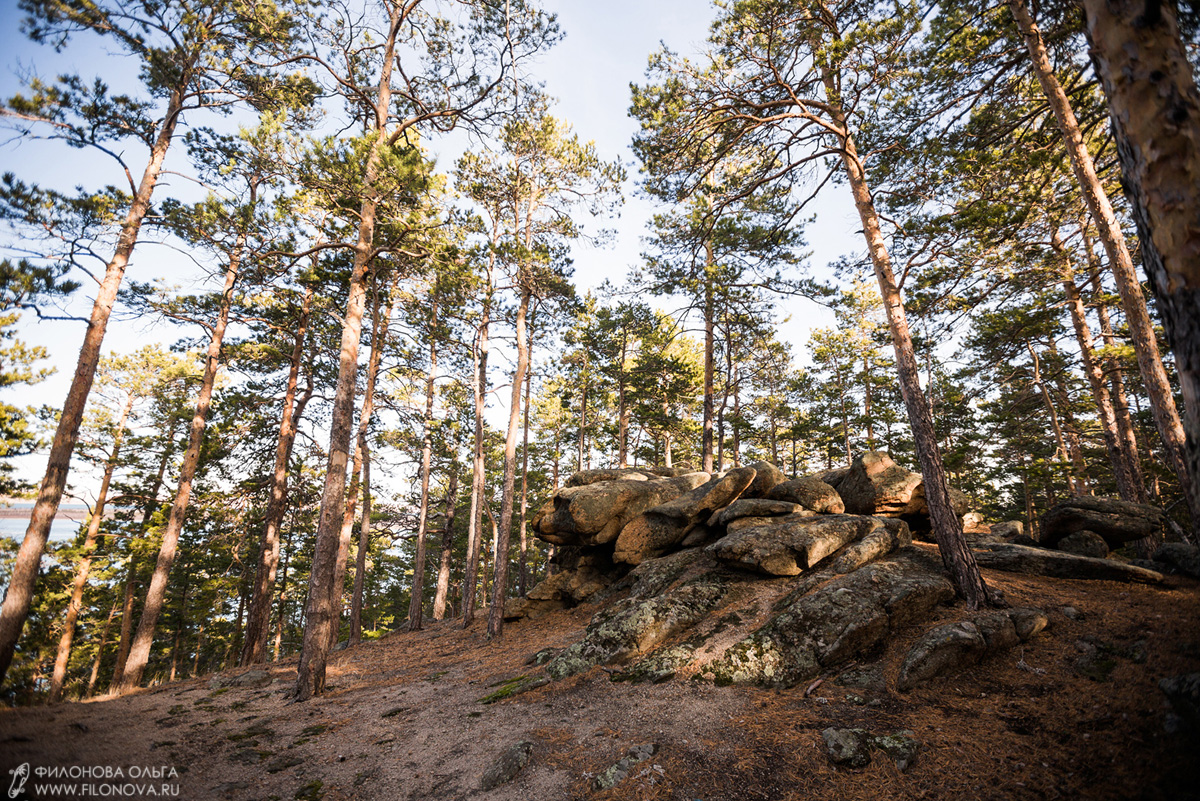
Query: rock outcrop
{"points": [[748, 577], [1117, 521]]}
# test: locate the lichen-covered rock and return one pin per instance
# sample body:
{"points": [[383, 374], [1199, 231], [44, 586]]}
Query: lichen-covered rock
{"points": [[1042, 562], [632, 626], [595, 513], [766, 476], [1007, 531], [892, 535], [811, 493], [1115, 520], [665, 526], [1179, 556], [616, 773], [952, 647], [751, 507], [849, 747], [788, 545], [901, 746], [825, 623], [1084, 543]]}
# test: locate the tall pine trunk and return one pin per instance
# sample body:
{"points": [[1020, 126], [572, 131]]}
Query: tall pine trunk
{"points": [[447, 553], [19, 594], [946, 524], [1155, 109], [475, 524], [500, 554], [416, 604], [364, 545]]}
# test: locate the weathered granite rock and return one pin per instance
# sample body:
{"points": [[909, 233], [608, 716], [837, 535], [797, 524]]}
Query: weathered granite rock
{"points": [[665, 526], [811, 493], [507, 766], [633, 626], [1007, 531], [751, 507], [953, 647], [1084, 543], [849, 747], [832, 477], [825, 623], [1042, 562], [876, 485], [593, 514], [788, 545], [766, 476], [1115, 520], [1179, 556], [892, 535]]}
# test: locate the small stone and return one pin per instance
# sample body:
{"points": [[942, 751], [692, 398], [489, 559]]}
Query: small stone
{"points": [[617, 772], [849, 747], [1184, 694], [901, 747], [1084, 543], [506, 766]]}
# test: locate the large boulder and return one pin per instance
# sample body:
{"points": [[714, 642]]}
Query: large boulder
{"points": [[876, 485], [811, 493], [1117, 521], [789, 545], [665, 526], [751, 507], [766, 476], [1084, 543], [595, 513]]}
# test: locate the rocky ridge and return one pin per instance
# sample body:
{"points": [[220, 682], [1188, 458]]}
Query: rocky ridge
{"points": [[751, 577]]}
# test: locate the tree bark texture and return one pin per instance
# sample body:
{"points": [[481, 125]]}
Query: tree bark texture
{"points": [[416, 604], [447, 554]]}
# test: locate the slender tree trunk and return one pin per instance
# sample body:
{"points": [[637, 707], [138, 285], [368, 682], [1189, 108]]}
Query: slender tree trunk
{"points": [[254, 646], [500, 555], [946, 524], [735, 444], [706, 442], [92, 679], [364, 544], [622, 407], [583, 401], [447, 554], [1116, 380], [416, 605], [1062, 451], [1154, 105], [19, 594], [143, 639], [1118, 456], [475, 524], [523, 564], [1154, 375], [178, 631], [281, 606], [85, 560]]}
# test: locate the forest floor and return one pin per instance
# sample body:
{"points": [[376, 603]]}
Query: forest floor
{"points": [[1076, 713]]}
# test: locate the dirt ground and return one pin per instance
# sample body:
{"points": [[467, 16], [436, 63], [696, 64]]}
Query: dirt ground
{"points": [[404, 720]]}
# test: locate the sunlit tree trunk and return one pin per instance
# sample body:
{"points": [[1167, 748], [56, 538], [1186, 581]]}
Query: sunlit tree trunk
{"points": [[416, 603], [710, 313], [447, 554], [364, 545], [475, 524], [19, 594], [500, 553], [946, 524]]}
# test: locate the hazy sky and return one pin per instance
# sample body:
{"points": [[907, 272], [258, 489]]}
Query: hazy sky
{"points": [[606, 47]]}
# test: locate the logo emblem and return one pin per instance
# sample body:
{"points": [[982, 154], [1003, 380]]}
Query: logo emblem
{"points": [[20, 775]]}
